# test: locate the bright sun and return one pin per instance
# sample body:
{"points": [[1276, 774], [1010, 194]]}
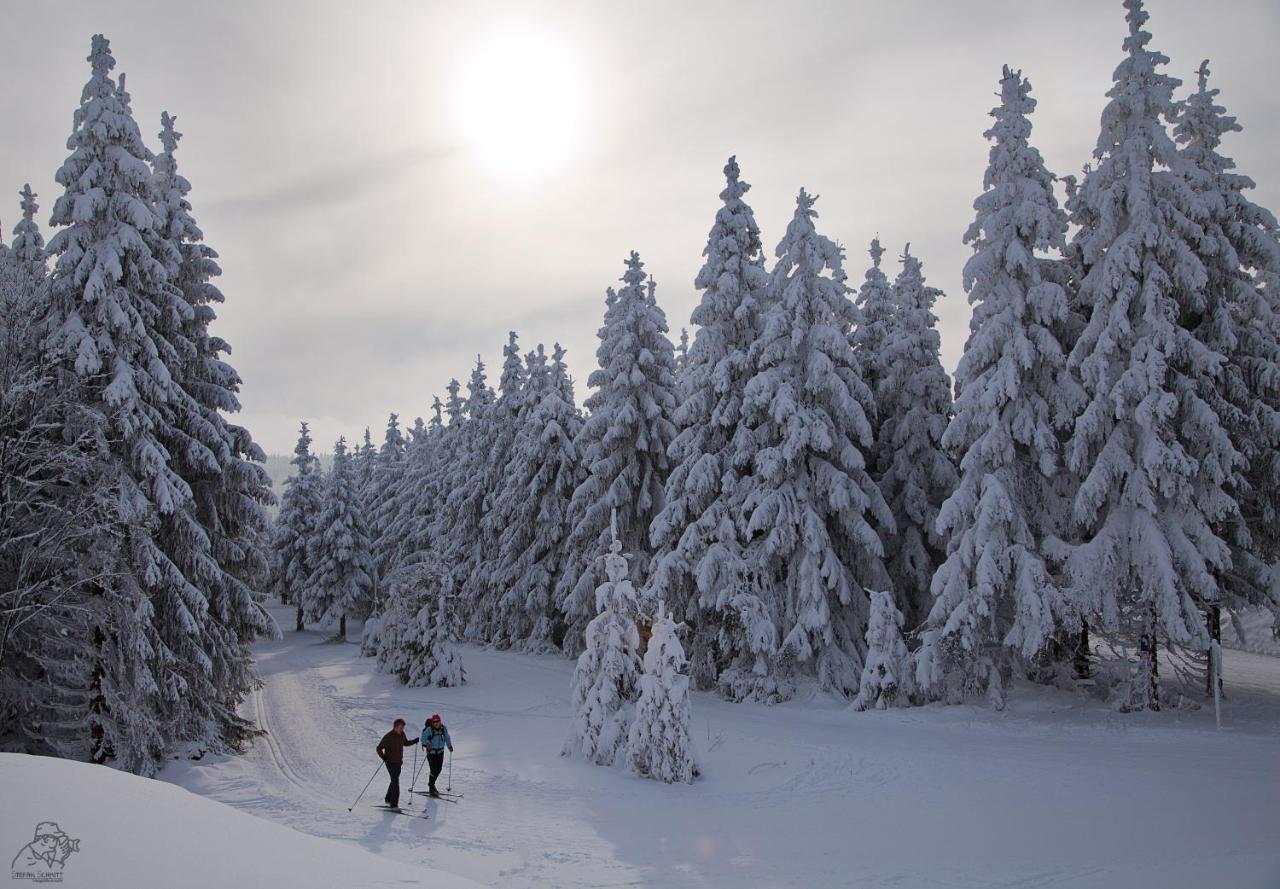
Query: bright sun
{"points": [[520, 103]]}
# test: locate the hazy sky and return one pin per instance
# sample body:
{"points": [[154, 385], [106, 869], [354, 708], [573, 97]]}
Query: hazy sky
{"points": [[362, 172]]}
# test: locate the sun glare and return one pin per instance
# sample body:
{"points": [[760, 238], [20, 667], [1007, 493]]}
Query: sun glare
{"points": [[520, 103]]}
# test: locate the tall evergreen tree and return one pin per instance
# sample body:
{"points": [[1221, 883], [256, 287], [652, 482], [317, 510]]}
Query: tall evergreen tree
{"points": [[872, 334], [1152, 456], [23, 281], [1241, 321], [232, 489], [75, 634], [459, 523], [810, 500], [403, 509], [698, 566], [916, 474], [542, 473], [28, 249], [364, 461], [379, 501], [995, 597], [113, 326], [623, 443], [341, 582], [296, 526], [485, 587]]}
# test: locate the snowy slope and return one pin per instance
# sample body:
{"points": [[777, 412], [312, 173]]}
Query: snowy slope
{"points": [[1056, 791], [136, 833]]}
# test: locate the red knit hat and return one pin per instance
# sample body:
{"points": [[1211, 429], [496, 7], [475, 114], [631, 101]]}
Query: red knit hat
{"points": [[435, 717]]}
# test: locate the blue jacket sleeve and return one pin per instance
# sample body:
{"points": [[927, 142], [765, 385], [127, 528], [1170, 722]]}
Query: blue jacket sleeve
{"points": [[447, 740]]}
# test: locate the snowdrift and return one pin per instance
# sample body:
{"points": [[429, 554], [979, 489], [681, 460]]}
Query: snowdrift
{"points": [[103, 828]]}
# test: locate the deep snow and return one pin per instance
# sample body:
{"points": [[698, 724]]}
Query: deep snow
{"points": [[1056, 790], [135, 833]]}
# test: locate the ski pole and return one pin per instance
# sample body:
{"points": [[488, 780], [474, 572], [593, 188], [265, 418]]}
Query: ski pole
{"points": [[366, 787], [414, 780], [449, 785]]}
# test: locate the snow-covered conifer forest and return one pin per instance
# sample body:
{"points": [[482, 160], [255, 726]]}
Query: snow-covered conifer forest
{"points": [[784, 501]]}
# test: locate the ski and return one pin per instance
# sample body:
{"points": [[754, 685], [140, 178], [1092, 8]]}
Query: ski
{"points": [[450, 798], [396, 810]]}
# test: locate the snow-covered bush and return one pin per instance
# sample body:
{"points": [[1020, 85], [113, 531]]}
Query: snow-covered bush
{"points": [[606, 680], [371, 636], [887, 673], [660, 745]]}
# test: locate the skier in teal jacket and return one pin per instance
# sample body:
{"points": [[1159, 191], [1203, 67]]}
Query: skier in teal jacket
{"points": [[435, 738]]}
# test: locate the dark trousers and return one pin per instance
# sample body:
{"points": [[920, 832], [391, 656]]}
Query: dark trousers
{"points": [[435, 761], [393, 791]]}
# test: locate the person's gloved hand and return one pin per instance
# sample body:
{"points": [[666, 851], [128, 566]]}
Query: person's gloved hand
{"points": [[450, 749]]}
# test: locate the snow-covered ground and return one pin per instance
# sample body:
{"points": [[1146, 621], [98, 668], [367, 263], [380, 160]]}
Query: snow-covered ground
{"points": [[1259, 636], [111, 830], [1056, 791]]}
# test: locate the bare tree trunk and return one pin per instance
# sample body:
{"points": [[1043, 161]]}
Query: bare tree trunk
{"points": [[1154, 667], [342, 628], [298, 618], [1082, 651], [97, 703]]}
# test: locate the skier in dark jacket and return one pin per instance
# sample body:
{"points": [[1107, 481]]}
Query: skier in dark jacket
{"points": [[391, 751], [435, 738]]}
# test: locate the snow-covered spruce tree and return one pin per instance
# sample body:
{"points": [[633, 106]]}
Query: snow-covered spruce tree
{"points": [[448, 671], [341, 582], [542, 473], [916, 474], [24, 275], [660, 743], [458, 531], [75, 634], [682, 350], [872, 333], [229, 484], [623, 444], [379, 500], [363, 461], [809, 500], [296, 526], [1151, 455], [427, 491], [698, 568], [1241, 321], [486, 588], [606, 680], [416, 640], [114, 330], [996, 604], [417, 495], [888, 678]]}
